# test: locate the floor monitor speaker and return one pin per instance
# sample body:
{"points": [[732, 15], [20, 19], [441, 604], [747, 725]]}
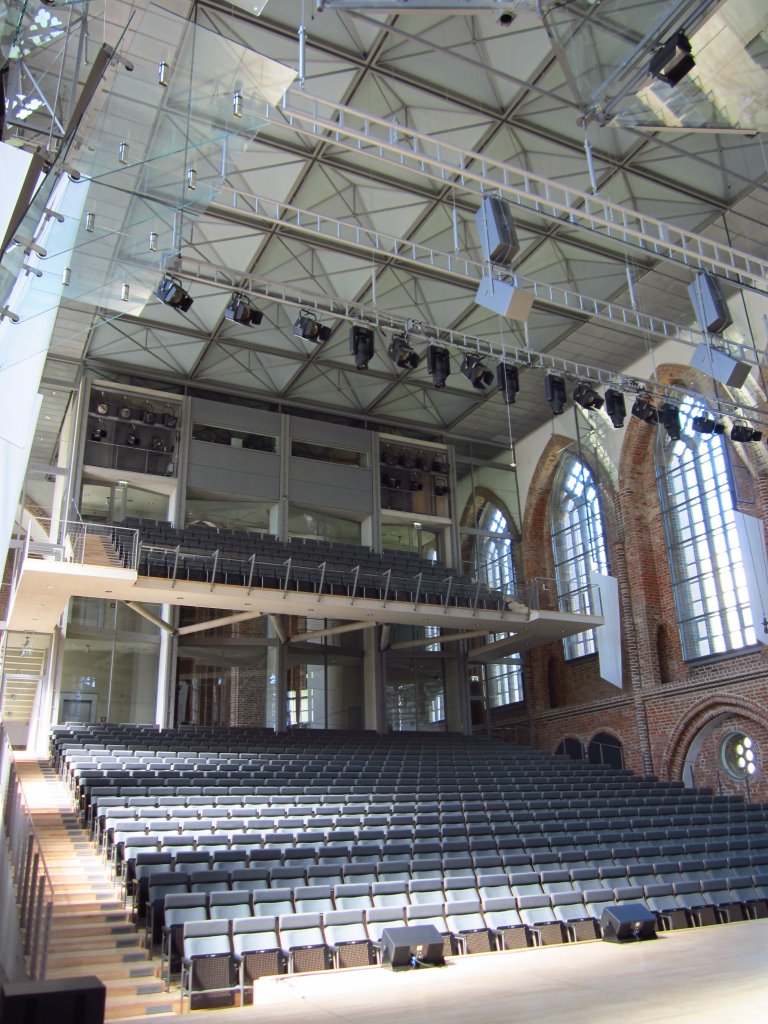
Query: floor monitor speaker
{"points": [[411, 946], [627, 922]]}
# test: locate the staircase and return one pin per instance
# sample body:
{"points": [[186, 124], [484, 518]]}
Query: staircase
{"points": [[91, 932], [98, 551]]}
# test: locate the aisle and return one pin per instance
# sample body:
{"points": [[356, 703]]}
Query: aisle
{"points": [[91, 932]]}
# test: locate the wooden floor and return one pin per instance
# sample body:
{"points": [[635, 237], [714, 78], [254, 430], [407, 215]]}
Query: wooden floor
{"points": [[717, 974]]}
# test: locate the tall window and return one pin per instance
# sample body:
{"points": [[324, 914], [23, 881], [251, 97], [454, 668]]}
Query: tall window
{"points": [[497, 567], [578, 542], [495, 546], [705, 556]]}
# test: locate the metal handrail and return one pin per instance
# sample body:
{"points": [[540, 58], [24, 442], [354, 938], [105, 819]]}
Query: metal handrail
{"points": [[31, 878]]}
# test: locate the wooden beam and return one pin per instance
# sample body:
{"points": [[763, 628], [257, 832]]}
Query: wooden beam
{"points": [[348, 627], [201, 627], [278, 621], [150, 616]]}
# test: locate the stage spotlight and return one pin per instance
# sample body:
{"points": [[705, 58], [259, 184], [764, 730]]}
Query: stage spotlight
{"points": [[673, 61], [554, 390], [706, 425], [133, 440], [743, 433], [645, 410], [98, 434], [310, 328], [438, 365], [615, 407], [401, 353], [476, 372], [508, 380], [240, 311], [587, 397], [361, 345], [171, 292], [669, 418]]}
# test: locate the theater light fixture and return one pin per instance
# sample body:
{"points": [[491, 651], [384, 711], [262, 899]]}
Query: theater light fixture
{"points": [[240, 311], [669, 418], [645, 410], [401, 353], [171, 292], [438, 365], [554, 391], [587, 397], [615, 407], [310, 328], [743, 433], [361, 345], [476, 372], [508, 380], [706, 425], [673, 61], [98, 434]]}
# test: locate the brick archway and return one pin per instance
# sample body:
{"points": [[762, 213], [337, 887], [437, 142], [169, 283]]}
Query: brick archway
{"points": [[703, 714]]}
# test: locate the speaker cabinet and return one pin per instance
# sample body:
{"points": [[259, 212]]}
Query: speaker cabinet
{"points": [[720, 365], [627, 922], [708, 304], [65, 1001], [496, 231], [401, 945], [503, 298]]}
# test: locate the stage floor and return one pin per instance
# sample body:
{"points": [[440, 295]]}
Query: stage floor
{"points": [[717, 974]]}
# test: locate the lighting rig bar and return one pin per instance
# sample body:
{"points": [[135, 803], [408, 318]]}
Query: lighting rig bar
{"points": [[212, 275], [418, 153], [462, 268]]}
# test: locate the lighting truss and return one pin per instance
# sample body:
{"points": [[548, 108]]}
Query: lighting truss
{"points": [[212, 275], [427, 156]]}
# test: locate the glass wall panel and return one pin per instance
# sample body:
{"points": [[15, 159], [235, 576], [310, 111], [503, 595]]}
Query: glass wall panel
{"points": [[415, 695], [108, 680], [228, 512], [319, 525]]}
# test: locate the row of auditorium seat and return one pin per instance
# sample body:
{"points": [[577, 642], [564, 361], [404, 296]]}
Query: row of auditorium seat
{"points": [[223, 940], [449, 830], [242, 558]]}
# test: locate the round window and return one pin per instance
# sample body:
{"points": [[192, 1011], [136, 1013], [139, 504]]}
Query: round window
{"points": [[739, 755]]}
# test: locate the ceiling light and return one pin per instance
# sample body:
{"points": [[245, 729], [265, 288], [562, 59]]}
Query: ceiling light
{"points": [[615, 407], [508, 380], [438, 365], [476, 372], [361, 345], [645, 410], [673, 61], [587, 397], [401, 353], [743, 433], [171, 292], [240, 311], [310, 328], [669, 418], [554, 391], [707, 425]]}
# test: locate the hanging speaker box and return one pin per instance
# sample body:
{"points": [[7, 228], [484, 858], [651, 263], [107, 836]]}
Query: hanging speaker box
{"points": [[504, 298]]}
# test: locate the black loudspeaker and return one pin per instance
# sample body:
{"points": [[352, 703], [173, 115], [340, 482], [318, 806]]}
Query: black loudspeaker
{"points": [[708, 303], [64, 1000], [401, 946], [627, 922], [496, 231]]}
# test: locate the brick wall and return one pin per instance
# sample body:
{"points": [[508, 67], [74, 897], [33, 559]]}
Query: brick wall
{"points": [[669, 710]]}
